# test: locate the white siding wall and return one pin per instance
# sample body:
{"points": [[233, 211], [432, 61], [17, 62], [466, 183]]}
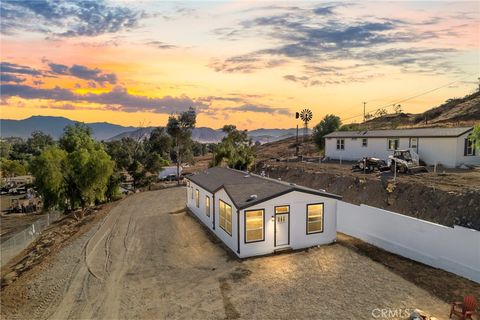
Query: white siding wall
{"points": [[438, 150], [298, 237], [200, 212], [461, 159], [376, 147], [296, 200], [447, 151], [229, 240]]}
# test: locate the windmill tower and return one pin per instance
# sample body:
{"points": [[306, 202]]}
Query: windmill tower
{"points": [[306, 116]]}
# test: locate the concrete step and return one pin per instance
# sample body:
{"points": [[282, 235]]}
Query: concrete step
{"points": [[283, 249]]}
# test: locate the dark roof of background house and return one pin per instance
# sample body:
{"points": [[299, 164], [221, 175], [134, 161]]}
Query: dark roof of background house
{"points": [[240, 185], [417, 132]]}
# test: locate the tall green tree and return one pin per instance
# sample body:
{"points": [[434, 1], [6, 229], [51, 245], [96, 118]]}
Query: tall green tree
{"points": [[235, 149], [475, 136], [179, 127], [329, 123], [81, 162], [38, 142], [159, 142], [12, 168], [48, 170]]}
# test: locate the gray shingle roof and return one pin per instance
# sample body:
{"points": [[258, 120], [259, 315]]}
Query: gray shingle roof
{"points": [[420, 132], [240, 185]]}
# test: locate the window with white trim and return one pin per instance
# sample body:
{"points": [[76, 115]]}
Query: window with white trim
{"points": [[225, 217], [413, 143], [393, 144], [469, 147], [197, 198], [254, 225], [364, 142], [314, 218], [340, 144], [207, 206]]}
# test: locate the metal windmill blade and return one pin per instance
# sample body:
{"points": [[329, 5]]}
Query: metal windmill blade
{"points": [[306, 115]]}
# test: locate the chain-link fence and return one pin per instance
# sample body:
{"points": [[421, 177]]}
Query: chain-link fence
{"points": [[13, 246]]}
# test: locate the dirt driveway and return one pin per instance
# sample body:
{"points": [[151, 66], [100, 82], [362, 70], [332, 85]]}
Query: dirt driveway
{"points": [[150, 260]]}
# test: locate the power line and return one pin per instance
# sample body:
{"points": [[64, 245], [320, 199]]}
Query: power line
{"points": [[410, 98]]}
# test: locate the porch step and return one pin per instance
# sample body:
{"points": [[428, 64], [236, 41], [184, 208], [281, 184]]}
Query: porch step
{"points": [[284, 249]]}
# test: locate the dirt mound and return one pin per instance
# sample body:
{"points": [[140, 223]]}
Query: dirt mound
{"points": [[286, 149], [445, 199]]}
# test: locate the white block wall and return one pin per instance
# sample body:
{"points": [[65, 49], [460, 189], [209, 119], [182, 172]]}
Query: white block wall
{"points": [[456, 250]]}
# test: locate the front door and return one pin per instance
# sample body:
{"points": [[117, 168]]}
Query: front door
{"points": [[282, 226]]}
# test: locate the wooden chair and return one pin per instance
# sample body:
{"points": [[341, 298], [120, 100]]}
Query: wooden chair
{"points": [[464, 310]]}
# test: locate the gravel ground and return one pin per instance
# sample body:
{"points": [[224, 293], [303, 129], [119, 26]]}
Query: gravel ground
{"points": [[149, 259]]}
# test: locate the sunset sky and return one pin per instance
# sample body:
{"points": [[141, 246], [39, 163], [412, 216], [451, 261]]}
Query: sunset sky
{"points": [[248, 63]]}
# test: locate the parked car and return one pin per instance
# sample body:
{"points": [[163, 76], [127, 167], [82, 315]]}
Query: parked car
{"points": [[369, 164], [170, 177]]}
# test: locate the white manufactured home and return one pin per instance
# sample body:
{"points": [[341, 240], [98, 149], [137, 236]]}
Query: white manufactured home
{"points": [[254, 215], [450, 147]]}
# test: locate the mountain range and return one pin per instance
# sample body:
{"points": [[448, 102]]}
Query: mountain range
{"points": [[106, 131]]}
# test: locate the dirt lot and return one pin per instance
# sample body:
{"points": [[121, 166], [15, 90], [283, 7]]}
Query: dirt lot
{"points": [[149, 259]]}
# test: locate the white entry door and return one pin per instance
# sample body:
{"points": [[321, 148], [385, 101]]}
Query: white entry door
{"points": [[282, 226]]}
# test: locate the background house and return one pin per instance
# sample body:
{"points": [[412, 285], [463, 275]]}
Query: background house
{"points": [[254, 215], [449, 147]]}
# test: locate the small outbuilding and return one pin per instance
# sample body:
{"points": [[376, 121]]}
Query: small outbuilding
{"points": [[255, 215], [450, 147]]}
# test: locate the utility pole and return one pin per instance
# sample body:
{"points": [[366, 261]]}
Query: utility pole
{"points": [[297, 115], [364, 111]]}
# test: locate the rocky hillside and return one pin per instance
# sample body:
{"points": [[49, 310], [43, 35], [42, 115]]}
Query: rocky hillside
{"points": [[454, 112]]}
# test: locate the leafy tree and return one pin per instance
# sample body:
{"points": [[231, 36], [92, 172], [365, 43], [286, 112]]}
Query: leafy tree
{"points": [[475, 136], [349, 127], [88, 171], [179, 127], [125, 151], [154, 162], [236, 149], [5, 149], [38, 142], [12, 168], [159, 142], [80, 169], [330, 123], [76, 136], [397, 108], [113, 187], [20, 151], [47, 168], [380, 112], [139, 159], [199, 149]]}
